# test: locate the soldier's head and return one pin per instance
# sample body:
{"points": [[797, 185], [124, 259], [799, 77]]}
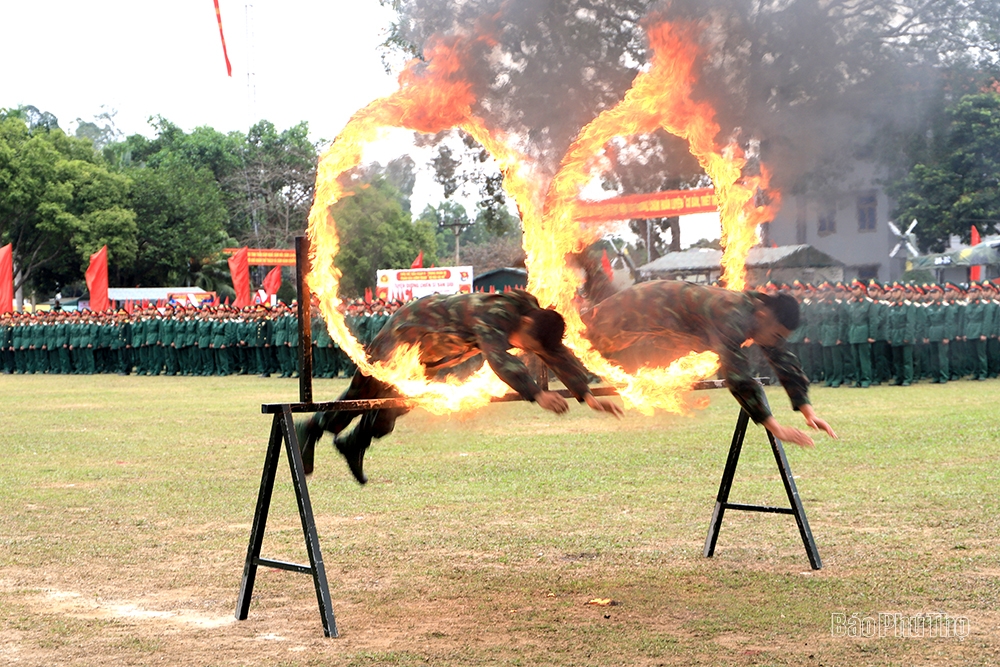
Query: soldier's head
{"points": [[776, 316], [541, 332]]}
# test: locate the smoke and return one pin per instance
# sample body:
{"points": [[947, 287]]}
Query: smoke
{"points": [[818, 83]]}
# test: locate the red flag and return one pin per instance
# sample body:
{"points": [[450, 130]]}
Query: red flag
{"points": [[227, 302], [418, 263], [7, 279], [272, 281], [97, 280], [239, 268], [218, 16], [128, 306], [975, 272], [606, 265], [368, 295]]}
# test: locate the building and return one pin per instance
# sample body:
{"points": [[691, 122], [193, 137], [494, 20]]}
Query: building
{"points": [[781, 264], [500, 279], [850, 224]]}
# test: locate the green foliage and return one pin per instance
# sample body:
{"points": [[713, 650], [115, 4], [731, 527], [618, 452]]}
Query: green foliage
{"points": [[957, 186], [181, 221], [58, 204], [376, 233]]}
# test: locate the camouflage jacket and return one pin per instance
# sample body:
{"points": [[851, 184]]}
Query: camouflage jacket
{"points": [[660, 321], [453, 328]]}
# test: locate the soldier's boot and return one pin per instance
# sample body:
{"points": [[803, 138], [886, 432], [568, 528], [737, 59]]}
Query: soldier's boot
{"points": [[308, 432], [353, 446]]}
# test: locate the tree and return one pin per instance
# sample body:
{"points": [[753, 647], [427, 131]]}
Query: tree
{"points": [[376, 233], [58, 203], [820, 84], [180, 217], [270, 192], [959, 185]]}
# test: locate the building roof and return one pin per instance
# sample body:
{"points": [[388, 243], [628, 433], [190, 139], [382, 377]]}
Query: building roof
{"points": [[698, 260], [505, 270]]}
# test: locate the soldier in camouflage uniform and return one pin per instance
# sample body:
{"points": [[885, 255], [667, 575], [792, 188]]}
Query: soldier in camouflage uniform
{"points": [[656, 322], [449, 329]]}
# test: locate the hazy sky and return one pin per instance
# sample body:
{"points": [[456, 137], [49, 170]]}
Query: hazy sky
{"points": [[308, 60]]}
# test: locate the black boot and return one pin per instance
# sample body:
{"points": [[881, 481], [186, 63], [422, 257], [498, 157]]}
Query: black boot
{"points": [[353, 447], [307, 432]]}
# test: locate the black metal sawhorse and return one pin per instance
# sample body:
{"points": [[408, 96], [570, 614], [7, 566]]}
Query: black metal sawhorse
{"points": [[283, 432], [722, 500]]}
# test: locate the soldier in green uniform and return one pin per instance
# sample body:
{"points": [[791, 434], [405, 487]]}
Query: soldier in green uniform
{"points": [[901, 327], [449, 329], [977, 325], [7, 343], [952, 328], [206, 359], [280, 341], [937, 343], [831, 332], [262, 336], [324, 359], [220, 349], [921, 340], [859, 327], [656, 322], [796, 339], [17, 342], [245, 331], [168, 341], [51, 350], [293, 337], [63, 365]]}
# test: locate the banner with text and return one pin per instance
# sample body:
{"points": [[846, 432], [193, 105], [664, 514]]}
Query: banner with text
{"points": [[406, 284], [653, 205]]}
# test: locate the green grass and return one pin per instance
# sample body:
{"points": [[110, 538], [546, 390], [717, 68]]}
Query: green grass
{"points": [[125, 509]]}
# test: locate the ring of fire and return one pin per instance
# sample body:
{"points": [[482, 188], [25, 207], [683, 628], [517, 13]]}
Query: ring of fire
{"points": [[432, 97]]}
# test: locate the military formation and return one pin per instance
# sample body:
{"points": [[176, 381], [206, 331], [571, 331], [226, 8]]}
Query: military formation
{"points": [[866, 334], [176, 340]]}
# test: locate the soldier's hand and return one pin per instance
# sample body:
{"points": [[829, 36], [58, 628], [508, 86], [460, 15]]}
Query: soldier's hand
{"points": [[551, 401], [788, 433], [603, 405], [814, 422]]}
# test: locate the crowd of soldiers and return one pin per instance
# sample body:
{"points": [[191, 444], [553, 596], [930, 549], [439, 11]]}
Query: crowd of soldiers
{"points": [[180, 340], [864, 334], [858, 334]]}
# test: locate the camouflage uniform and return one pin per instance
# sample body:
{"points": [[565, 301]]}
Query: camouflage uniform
{"points": [[660, 321], [450, 329]]}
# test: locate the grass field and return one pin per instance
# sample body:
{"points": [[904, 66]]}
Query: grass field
{"points": [[125, 509]]}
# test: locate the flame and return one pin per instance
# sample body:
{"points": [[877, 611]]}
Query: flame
{"points": [[434, 96], [660, 97]]}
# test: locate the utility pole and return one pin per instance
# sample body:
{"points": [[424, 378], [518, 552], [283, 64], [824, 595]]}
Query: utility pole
{"points": [[457, 228]]}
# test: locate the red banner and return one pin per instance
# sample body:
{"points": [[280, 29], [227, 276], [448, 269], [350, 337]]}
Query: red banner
{"points": [[266, 256], [240, 270], [7, 279], [97, 280], [666, 204]]}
